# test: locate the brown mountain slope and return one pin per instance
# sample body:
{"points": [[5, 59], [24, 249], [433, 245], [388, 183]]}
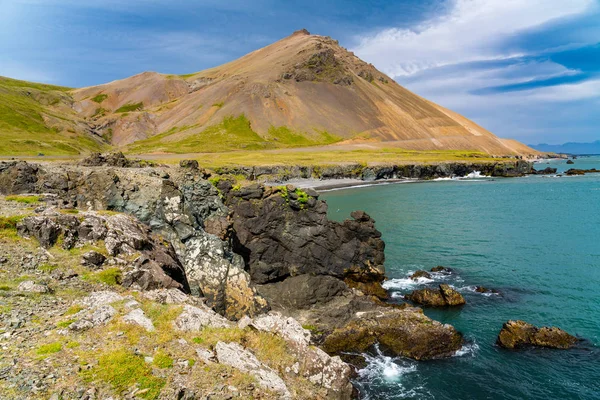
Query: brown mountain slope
{"points": [[302, 90]]}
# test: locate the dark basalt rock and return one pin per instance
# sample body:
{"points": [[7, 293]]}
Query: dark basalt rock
{"points": [[18, 177], [518, 334], [442, 269], [570, 162], [483, 289], [545, 171], [284, 232], [420, 274], [574, 171], [444, 296], [93, 259]]}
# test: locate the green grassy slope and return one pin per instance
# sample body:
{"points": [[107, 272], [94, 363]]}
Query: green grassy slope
{"points": [[232, 133], [33, 120]]}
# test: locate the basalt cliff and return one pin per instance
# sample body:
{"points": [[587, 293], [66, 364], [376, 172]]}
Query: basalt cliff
{"points": [[171, 274]]}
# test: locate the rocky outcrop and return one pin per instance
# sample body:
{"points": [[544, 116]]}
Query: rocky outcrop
{"points": [[316, 365], [379, 172], [444, 296], [517, 334], [234, 355], [156, 266], [407, 332], [116, 159], [283, 232], [18, 177]]}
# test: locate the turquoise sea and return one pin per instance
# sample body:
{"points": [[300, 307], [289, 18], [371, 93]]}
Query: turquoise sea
{"points": [[535, 239]]}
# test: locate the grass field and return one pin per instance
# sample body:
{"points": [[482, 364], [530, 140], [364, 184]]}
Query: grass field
{"points": [[321, 156]]}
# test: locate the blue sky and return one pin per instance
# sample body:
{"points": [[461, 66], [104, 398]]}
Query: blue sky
{"points": [[525, 69]]}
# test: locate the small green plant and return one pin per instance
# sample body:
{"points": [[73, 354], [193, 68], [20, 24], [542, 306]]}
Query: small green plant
{"points": [[130, 107], [214, 180], [23, 199], [72, 345], [218, 105], [49, 348], [162, 360], [122, 369], [302, 196], [99, 98]]}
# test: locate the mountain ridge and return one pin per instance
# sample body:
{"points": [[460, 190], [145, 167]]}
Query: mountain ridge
{"points": [[303, 90]]}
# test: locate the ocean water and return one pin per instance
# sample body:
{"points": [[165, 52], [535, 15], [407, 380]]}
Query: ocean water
{"points": [[534, 239]]}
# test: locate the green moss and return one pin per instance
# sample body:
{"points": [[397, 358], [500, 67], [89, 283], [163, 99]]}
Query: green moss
{"points": [[64, 324], [122, 369], [109, 276], [49, 348], [130, 107], [218, 105], [73, 310], [72, 345], [162, 360], [23, 199], [99, 98]]}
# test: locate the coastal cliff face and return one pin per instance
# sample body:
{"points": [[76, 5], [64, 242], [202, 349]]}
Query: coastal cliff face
{"points": [[380, 172], [241, 250]]}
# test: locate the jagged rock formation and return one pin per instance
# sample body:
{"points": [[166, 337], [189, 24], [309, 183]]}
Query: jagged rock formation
{"points": [[156, 264], [444, 296], [517, 334], [283, 232]]}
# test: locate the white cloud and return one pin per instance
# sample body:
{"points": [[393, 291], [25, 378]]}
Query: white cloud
{"points": [[472, 31]]}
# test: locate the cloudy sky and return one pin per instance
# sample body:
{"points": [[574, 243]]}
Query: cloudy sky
{"points": [[526, 69]]}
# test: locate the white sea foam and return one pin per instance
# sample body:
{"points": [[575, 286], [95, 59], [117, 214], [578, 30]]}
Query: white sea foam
{"points": [[473, 289], [467, 350], [405, 283], [380, 366], [473, 176]]}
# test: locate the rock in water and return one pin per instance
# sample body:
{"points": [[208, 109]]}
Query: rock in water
{"points": [[420, 274], [440, 268], [406, 332], [517, 334], [570, 162], [444, 296]]}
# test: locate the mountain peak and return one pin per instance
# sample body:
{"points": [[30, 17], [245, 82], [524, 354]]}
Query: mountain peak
{"points": [[301, 32]]}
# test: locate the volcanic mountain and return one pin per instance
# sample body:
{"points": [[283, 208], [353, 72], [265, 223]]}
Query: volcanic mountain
{"points": [[303, 90]]}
